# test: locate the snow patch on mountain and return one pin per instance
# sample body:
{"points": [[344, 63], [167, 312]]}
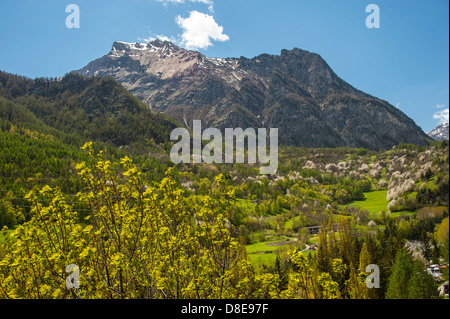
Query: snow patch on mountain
{"points": [[440, 132]]}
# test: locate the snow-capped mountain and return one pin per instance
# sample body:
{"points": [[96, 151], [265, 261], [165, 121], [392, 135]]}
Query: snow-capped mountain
{"points": [[296, 92], [440, 132]]}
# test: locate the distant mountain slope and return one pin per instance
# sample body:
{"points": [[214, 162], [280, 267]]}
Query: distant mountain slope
{"points": [[296, 92], [98, 109], [440, 132]]}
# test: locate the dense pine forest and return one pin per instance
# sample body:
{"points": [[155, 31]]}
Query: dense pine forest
{"points": [[86, 179]]}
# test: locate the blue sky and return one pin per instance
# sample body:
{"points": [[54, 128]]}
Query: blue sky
{"points": [[405, 61]]}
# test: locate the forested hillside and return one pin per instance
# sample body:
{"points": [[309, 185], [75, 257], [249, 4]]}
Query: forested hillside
{"points": [[44, 123], [82, 108], [86, 179]]}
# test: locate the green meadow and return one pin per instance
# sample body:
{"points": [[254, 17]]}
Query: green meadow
{"points": [[374, 202], [266, 252]]}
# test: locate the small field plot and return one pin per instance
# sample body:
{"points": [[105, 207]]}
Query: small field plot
{"points": [[266, 252], [375, 202]]}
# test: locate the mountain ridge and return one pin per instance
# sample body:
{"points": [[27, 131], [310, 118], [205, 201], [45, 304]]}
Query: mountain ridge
{"points": [[296, 91]]}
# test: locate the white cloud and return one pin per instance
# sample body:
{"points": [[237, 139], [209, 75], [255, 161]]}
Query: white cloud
{"points": [[199, 29], [442, 116], [440, 106], [161, 37], [165, 38], [210, 3], [203, 1]]}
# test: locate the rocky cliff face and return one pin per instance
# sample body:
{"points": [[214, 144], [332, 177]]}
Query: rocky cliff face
{"points": [[296, 92]]}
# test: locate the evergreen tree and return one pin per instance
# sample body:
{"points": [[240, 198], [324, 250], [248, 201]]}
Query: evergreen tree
{"points": [[426, 245], [357, 288], [364, 258], [444, 252], [282, 273], [331, 244], [401, 273], [421, 284], [323, 257], [409, 280]]}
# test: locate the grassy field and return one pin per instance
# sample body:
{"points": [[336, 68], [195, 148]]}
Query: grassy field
{"points": [[375, 202], [267, 251], [262, 259]]}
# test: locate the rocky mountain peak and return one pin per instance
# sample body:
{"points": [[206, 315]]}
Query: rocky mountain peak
{"points": [[153, 45], [440, 132], [296, 91]]}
